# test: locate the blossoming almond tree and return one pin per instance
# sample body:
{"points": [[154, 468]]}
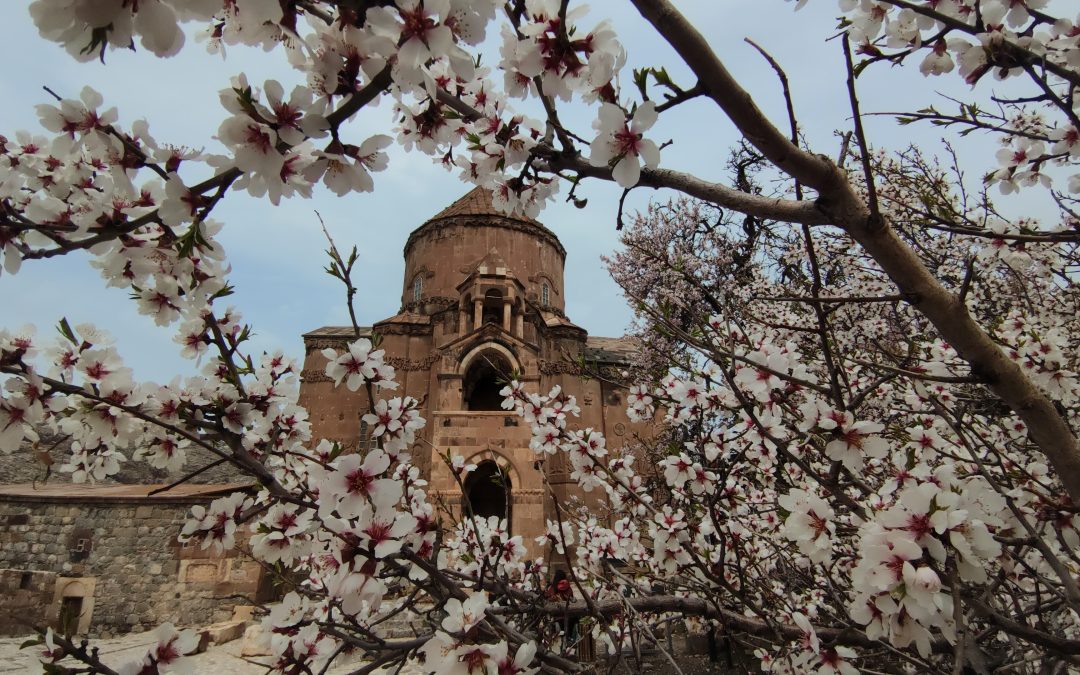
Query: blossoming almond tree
{"points": [[866, 382]]}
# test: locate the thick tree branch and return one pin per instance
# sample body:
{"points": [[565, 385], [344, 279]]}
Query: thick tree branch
{"points": [[848, 210], [812, 170], [769, 208], [354, 103]]}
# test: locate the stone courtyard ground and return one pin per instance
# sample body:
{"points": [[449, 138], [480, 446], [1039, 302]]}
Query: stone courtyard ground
{"points": [[226, 659], [221, 659]]}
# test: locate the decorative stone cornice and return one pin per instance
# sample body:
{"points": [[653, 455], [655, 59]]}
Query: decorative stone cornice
{"points": [[404, 329], [441, 301], [320, 343], [399, 363], [560, 368], [425, 363]]}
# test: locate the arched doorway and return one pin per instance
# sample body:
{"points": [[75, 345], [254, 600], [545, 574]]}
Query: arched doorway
{"points": [[487, 492], [484, 379]]}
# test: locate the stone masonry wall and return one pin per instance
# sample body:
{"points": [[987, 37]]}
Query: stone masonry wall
{"points": [[126, 557], [26, 597], [26, 465]]}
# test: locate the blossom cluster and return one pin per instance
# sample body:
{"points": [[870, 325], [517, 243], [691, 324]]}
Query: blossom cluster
{"points": [[809, 448]]}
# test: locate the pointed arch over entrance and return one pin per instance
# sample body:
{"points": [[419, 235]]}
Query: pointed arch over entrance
{"points": [[488, 492], [484, 373]]}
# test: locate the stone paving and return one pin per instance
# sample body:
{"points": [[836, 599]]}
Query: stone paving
{"points": [[222, 659], [225, 659]]}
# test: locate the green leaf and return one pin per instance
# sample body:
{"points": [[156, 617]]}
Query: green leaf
{"points": [[189, 240], [641, 79], [65, 330], [332, 270]]}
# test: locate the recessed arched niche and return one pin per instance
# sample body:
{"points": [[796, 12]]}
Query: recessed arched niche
{"points": [[488, 492]]}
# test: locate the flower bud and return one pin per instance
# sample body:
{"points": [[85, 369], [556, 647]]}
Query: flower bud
{"points": [[927, 579]]}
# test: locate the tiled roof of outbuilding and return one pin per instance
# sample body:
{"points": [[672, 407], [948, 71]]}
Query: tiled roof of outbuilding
{"points": [[337, 332]]}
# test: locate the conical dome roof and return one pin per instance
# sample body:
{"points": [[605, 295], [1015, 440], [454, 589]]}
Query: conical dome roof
{"points": [[478, 202]]}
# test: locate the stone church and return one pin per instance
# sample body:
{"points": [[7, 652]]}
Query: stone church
{"points": [[483, 296]]}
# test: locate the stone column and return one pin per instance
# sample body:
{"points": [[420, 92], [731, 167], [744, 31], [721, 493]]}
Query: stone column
{"points": [[478, 313], [520, 327], [506, 315], [463, 319]]}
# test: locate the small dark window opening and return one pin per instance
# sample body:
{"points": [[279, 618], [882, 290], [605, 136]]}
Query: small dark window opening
{"points": [[484, 380], [544, 299], [493, 307], [418, 288], [25, 580], [80, 544], [487, 492], [70, 611], [366, 442]]}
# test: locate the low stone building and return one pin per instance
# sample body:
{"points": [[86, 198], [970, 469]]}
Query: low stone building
{"points": [[103, 560], [483, 297]]}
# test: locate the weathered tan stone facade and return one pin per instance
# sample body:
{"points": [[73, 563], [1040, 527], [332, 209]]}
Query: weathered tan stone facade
{"points": [[483, 296], [105, 560]]}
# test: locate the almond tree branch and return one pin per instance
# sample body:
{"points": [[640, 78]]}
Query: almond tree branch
{"points": [[953, 23], [768, 208], [705, 608], [847, 210], [358, 100], [719, 85]]}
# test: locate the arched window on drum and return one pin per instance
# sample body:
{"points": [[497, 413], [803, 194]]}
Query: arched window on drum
{"points": [[417, 288]]}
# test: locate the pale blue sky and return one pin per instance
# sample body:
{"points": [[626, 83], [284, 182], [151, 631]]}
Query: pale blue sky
{"points": [[277, 252]]}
